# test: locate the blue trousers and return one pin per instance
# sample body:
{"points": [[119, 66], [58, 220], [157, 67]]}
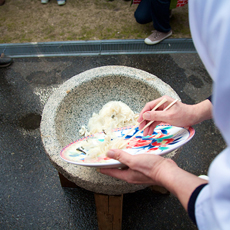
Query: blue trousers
{"points": [[156, 11]]}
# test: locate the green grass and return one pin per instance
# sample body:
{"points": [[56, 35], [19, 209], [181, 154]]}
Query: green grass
{"points": [[30, 21]]}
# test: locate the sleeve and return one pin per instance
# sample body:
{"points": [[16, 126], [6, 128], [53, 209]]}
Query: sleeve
{"points": [[212, 206], [192, 201], [210, 98]]}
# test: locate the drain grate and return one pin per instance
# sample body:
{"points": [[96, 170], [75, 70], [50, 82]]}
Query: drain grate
{"points": [[103, 47]]}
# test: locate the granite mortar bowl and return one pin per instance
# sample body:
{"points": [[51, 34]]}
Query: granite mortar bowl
{"points": [[74, 102]]}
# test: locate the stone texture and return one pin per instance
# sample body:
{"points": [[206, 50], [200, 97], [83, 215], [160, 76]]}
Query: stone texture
{"points": [[73, 103]]}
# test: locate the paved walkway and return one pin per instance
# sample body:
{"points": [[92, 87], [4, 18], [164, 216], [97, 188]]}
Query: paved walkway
{"points": [[30, 193]]}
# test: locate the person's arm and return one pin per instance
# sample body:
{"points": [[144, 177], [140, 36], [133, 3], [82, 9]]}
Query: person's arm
{"points": [[155, 170], [192, 202], [181, 183], [180, 114]]}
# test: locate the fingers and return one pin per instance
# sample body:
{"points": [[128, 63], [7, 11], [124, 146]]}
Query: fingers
{"points": [[146, 116], [149, 130], [132, 161], [128, 175], [142, 168], [150, 105], [139, 162], [119, 155], [118, 173], [161, 116]]}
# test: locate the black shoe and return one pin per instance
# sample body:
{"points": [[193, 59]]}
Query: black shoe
{"points": [[5, 61], [2, 2]]}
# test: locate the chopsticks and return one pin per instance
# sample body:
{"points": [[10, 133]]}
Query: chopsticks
{"points": [[159, 104]]}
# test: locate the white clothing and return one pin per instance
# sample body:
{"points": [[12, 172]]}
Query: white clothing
{"points": [[210, 28]]}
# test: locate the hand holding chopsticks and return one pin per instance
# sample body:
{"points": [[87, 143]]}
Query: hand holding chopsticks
{"points": [[158, 105]]}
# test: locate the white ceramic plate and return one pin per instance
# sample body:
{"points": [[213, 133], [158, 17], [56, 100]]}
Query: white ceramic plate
{"points": [[164, 139]]}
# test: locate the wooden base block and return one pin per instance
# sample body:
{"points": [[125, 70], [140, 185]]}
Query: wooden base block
{"points": [[109, 208], [65, 182], [109, 211]]}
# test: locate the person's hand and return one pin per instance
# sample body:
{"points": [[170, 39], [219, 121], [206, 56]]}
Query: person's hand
{"points": [[154, 170], [141, 169], [180, 114]]}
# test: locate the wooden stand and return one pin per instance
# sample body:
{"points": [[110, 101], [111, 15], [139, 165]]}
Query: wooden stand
{"points": [[109, 208], [109, 211], [65, 183]]}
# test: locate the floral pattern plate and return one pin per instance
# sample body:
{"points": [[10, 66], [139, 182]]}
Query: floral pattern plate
{"points": [[164, 139]]}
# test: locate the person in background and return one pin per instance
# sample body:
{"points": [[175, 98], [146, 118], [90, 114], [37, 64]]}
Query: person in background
{"points": [[206, 201], [158, 12], [59, 2]]}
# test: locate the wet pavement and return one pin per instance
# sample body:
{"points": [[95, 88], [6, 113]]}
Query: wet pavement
{"points": [[31, 196]]}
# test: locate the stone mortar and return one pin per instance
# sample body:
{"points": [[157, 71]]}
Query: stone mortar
{"points": [[74, 102]]}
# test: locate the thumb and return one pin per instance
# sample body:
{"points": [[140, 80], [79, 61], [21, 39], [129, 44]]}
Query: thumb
{"points": [[119, 155]]}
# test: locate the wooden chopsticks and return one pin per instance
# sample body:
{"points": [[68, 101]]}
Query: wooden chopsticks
{"points": [[159, 104]]}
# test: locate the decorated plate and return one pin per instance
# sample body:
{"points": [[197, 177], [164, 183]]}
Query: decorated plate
{"points": [[164, 139]]}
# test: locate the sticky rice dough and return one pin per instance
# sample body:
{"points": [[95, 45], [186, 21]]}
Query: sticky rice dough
{"points": [[94, 148], [114, 114]]}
